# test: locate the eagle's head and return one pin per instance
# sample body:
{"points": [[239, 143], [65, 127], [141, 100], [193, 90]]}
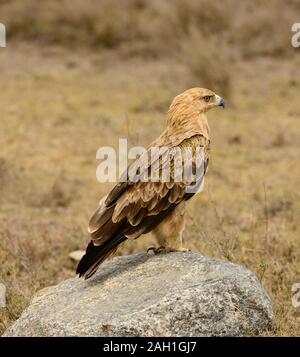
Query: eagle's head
{"points": [[198, 99]]}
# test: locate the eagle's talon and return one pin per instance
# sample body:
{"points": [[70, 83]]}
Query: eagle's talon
{"points": [[151, 249], [159, 250]]}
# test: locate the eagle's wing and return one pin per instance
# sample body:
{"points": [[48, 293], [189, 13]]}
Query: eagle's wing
{"points": [[135, 208]]}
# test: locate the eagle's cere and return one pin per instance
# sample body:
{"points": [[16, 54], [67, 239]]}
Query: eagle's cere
{"points": [[134, 208]]}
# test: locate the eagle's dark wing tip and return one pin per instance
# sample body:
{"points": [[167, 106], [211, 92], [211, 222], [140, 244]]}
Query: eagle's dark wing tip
{"points": [[95, 255], [87, 260]]}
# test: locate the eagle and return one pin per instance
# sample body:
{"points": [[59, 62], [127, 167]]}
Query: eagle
{"points": [[135, 207]]}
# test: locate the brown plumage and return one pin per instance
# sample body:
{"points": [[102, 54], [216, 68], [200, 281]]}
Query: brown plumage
{"points": [[134, 208]]}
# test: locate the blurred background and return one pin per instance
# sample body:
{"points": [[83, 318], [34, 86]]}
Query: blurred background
{"points": [[77, 75]]}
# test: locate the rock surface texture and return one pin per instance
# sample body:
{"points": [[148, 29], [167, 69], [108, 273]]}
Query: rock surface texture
{"points": [[175, 294], [2, 295]]}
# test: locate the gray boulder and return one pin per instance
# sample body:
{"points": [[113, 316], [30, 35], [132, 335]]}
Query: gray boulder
{"points": [[175, 294]]}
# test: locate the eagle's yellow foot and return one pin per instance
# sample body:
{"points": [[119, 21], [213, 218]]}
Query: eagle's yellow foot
{"points": [[183, 250], [159, 250], [180, 250]]}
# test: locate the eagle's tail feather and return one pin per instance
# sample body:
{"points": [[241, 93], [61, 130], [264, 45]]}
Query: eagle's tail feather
{"points": [[95, 255]]}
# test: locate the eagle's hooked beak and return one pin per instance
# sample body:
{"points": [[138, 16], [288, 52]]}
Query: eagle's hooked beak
{"points": [[220, 102]]}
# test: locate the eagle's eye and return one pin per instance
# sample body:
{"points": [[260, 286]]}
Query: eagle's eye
{"points": [[207, 98]]}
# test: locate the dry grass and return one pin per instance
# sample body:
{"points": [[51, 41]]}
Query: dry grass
{"points": [[152, 28], [59, 106]]}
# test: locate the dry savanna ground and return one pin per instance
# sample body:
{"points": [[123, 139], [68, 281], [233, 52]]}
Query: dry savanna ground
{"points": [[60, 103]]}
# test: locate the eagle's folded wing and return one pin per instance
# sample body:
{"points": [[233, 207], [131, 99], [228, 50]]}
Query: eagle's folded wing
{"points": [[134, 208]]}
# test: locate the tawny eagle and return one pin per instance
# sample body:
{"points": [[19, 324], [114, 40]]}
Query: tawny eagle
{"points": [[135, 207]]}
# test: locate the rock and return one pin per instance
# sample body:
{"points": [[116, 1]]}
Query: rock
{"points": [[2, 295], [76, 255], [175, 294]]}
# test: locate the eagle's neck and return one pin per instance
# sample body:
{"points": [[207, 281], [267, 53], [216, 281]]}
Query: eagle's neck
{"points": [[187, 121], [203, 124]]}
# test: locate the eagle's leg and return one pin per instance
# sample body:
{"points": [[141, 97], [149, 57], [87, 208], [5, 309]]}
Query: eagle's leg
{"points": [[169, 232]]}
